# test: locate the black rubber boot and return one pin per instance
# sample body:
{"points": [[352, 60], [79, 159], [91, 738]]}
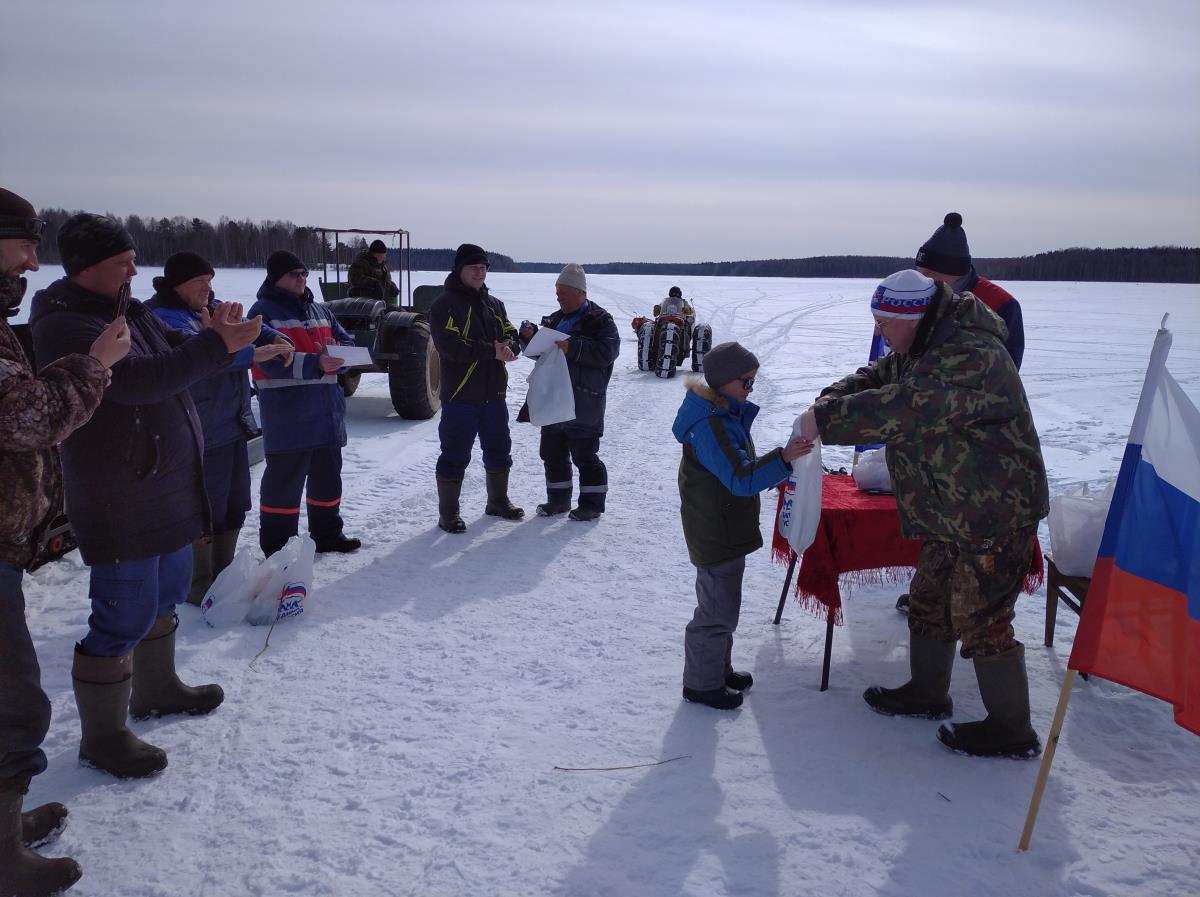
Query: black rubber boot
{"points": [[24, 873], [498, 504], [738, 681], [42, 825], [339, 544], [102, 689], [585, 513], [553, 508], [157, 690], [1006, 732], [718, 698], [202, 570], [927, 693], [448, 516], [224, 547]]}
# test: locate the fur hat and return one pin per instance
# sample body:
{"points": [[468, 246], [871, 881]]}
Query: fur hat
{"points": [[377, 246], [469, 254], [904, 295], [946, 252], [86, 239], [18, 218], [279, 263], [574, 276], [182, 267], [675, 291], [725, 362]]}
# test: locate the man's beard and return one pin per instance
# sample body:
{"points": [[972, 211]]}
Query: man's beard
{"points": [[12, 291]]}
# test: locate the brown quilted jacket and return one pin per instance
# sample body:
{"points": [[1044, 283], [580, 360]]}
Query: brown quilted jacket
{"points": [[37, 413]]}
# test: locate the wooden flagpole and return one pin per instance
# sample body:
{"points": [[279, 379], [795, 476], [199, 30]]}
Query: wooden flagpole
{"points": [[1035, 802]]}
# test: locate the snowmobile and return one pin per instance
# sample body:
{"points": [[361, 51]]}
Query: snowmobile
{"points": [[665, 341]]}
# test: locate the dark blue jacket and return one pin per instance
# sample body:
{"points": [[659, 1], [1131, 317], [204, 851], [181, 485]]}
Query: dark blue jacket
{"points": [[133, 474], [591, 351], [302, 407], [1003, 303], [465, 325], [223, 399]]}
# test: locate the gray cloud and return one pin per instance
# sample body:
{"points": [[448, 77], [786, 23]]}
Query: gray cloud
{"points": [[682, 130]]}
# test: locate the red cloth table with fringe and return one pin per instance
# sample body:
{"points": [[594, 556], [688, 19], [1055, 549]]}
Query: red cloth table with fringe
{"points": [[858, 540]]}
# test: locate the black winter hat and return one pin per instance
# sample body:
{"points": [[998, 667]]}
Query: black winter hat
{"points": [[182, 267], [279, 263], [946, 252], [377, 246], [18, 218], [725, 362], [675, 291], [86, 239], [469, 254]]}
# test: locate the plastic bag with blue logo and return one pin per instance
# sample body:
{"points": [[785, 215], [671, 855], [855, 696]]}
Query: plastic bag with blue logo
{"points": [[289, 585]]}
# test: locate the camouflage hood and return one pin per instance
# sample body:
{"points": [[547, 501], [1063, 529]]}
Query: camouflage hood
{"points": [[962, 449]]}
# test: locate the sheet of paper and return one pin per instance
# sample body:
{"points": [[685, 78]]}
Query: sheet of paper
{"points": [[543, 340], [352, 356]]}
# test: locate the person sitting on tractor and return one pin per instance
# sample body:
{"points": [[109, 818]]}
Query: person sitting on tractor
{"points": [[369, 276], [675, 304]]}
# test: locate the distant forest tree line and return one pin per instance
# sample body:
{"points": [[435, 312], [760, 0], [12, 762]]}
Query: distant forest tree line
{"points": [[246, 244]]}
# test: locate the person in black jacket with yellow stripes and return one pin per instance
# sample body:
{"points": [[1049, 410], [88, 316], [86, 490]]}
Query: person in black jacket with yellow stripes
{"points": [[475, 340]]}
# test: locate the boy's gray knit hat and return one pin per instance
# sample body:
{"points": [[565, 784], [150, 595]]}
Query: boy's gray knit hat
{"points": [[725, 362]]}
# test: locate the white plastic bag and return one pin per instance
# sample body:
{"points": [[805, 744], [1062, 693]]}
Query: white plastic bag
{"points": [[800, 513], [231, 593], [551, 397], [289, 585], [871, 471], [1076, 527]]}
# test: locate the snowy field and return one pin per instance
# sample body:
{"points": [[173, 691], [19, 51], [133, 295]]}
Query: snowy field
{"points": [[401, 737]]}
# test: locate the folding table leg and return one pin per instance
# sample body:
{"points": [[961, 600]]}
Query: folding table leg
{"points": [[783, 595], [828, 652]]}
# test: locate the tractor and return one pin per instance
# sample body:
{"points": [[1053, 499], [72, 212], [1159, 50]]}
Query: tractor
{"points": [[665, 341], [394, 329]]}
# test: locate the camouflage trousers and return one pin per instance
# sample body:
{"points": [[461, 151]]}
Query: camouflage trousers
{"points": [[968, 592]]}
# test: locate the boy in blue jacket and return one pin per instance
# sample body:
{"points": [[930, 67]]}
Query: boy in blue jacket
{"points": [[720, 477]]}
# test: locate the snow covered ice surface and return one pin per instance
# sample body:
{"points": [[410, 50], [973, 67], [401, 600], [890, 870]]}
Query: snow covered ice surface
{"points": [[400, 738]]}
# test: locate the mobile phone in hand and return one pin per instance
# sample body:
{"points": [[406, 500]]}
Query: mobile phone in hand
{"points": [[122, 300]]}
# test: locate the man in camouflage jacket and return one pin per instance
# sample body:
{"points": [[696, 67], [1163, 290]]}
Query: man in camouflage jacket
{"points": [[36, 413], [967, 469], [369, 276]]}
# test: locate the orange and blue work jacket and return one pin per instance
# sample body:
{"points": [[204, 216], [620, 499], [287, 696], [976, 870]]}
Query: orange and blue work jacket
{"points": [[301, 406]]}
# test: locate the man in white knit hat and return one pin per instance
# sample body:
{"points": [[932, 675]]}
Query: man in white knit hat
{"points": [[591, 348]]}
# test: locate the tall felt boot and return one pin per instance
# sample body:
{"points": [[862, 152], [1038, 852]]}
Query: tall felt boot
{"points": [[42, 825], [1006, 732], [202, 570], [102, 688], [157, 690], [448, 515], [24, 873], [498, 504], [224, 547], [927, 693]]}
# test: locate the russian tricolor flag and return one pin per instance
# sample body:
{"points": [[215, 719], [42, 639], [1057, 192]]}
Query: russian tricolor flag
{"points": [[1140, 625]]}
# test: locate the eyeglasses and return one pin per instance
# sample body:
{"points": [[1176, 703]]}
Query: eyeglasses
{"points": [[300, 272], [31, 227], [747, 383]]}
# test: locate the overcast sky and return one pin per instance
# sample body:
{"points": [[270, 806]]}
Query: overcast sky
{"points": [[668, 131]]}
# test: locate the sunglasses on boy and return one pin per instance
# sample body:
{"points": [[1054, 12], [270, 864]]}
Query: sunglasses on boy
{"points": [[747, 383]]}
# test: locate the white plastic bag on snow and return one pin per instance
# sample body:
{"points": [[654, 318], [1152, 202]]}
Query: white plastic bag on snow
{"points": [[1076, 527], [551, 397], [801, 511], [871, 471], [231, 593], [290, 583]]}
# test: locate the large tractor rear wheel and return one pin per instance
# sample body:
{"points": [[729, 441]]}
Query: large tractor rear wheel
{"points": [[669, 335], [415, 378]]}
